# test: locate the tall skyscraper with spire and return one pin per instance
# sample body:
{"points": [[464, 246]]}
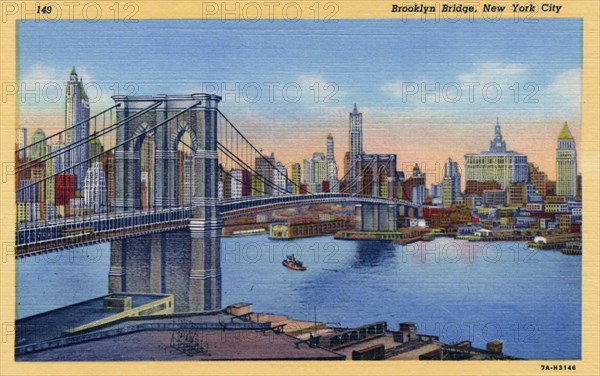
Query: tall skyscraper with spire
{"points": [[356, 144], [77, 109], [566, 164], [332, 169]]}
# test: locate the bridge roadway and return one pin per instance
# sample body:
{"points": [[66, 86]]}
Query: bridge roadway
{"points": [[46, 235]]}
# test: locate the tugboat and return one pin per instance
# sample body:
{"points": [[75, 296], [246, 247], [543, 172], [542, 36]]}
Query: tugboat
{"points": [[291, 263]]}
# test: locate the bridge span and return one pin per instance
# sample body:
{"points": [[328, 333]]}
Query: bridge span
{"points": [[41, 236], [154, 164]]}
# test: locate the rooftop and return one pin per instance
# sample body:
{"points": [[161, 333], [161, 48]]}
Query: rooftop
{"points": [[157, 345], [565, 133], [53, 324]]}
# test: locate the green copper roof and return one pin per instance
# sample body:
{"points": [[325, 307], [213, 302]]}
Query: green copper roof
{"points": [[73, 71], [82, 93], [565, 133]]}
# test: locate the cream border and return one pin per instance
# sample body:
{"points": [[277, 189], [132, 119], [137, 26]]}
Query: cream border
{"points": [[589, 160]]}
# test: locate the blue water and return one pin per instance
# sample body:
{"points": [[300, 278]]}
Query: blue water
{"points": [[455, 289]]}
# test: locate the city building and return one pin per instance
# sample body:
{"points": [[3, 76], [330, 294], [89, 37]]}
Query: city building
{"points": [[279, 179], [296, 173], [241, 183], [319, 170], [257, 186], [77, 110], [315, 172], [356, 145], [496, 197], [38, 174], [27, 191], [95, 149], [57, 159], [346, 165], [450, 184], [399, 185], [473, 187], [94, 188], [413, 188], [108, 166], [579, 188], [497, 164], [49, 181], [264, 168], [516, 194], [39, 147], [22, 142], [566, 164], [332, 170], [550, 188], [223, 183], [307, 172], [531, 194], [64, 187], [538, 178]]}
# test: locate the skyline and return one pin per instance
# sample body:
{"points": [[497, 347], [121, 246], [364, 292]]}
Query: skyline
{"points": [[371, 76]]}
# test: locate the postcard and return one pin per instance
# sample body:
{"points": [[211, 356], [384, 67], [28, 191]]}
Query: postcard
{"points": [[261, 187]]}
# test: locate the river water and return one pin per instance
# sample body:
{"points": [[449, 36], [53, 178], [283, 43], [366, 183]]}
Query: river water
{"points": [[455, 289]]}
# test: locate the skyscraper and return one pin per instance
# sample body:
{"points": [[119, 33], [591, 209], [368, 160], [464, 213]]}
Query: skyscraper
{"points": [[498, 164], [264, 168], [296, 177], [307, 172], [451, 183], [356, 146], [315, 172], [94, 188], [108, 165], [332, 169], [319, 163], [279, 179], [241, 183], [417, 186], [77, 109], [22, 142], [566, 164], [39, 147]]}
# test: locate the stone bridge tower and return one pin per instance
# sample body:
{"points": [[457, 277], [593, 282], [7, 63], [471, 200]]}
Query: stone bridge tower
{"points": [[173, 116]]}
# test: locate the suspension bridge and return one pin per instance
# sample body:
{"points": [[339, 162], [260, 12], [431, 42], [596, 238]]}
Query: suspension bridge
{"points": [[153, 164]]}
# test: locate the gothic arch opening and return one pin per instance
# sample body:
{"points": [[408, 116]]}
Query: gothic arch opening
{"points": [[185, 144], [382, 182]]}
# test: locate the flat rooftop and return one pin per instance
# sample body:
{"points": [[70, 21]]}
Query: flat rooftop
{"points": [[52, 324], [394, 350], [157, 345]]}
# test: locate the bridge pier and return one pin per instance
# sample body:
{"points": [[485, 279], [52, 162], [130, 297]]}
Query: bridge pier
{"points": [[206, 223], [376, 217], [117, 281]]}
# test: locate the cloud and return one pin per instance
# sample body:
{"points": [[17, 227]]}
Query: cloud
{"points": [[566, 84], [501, 73], [395, 88], [40, 73]]}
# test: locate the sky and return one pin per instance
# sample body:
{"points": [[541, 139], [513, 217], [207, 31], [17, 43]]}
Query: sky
{"points": [[427, 90]]}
